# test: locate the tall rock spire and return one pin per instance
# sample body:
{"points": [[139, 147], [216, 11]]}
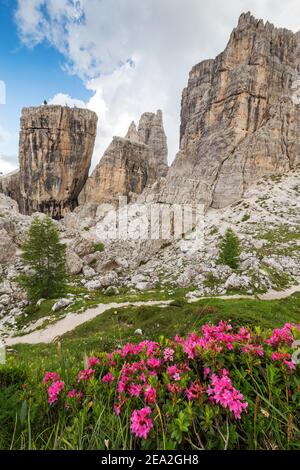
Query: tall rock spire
{"points": [[240, 120], [129, 164], [56, 147]]}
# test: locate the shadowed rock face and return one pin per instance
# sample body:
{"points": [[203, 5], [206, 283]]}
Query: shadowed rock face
{"points": [[55, 151], [239, 121], [129, 164]]}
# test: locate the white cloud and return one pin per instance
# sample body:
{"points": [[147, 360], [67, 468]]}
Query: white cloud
{"points": [[66, 100], [135, 55], [6, 166]]}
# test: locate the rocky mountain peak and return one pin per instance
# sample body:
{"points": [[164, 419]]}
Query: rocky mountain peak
{"points": [[55, 150], [132, 133], [240, 120], [129, 164]]}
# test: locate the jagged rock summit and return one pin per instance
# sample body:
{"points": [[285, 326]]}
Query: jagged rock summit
{"points": [[240, 117], [55, 151], [129, 164]]}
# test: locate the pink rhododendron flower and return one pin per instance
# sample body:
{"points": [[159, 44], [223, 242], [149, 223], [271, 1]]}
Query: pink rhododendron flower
{"points": [[195, 391], [206, 372], [54, 391], [282, 336], [129, 350], [108, 378], [174, 373], [93, 361], [169, 354], [221, 391], [141, 424], [153, 362], [86, 374], [285, 358], [150, 347], [50, 377], [135, 390], [174, 388], [150, 394], [253, 349], [72, 393]]}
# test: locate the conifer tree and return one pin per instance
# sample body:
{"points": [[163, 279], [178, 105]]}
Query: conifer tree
{"points": [[45, 257], [230, 250]]}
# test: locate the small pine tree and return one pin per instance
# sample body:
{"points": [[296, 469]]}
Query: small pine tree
{"points": [[230, 250], [45, 256]]}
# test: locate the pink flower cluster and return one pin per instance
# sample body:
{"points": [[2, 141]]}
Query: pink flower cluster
{"points": [[222, 391], [219, 338], [54, 391], [141, 424], [281, 336], [50, 377], [148, 375], [285, 358]]}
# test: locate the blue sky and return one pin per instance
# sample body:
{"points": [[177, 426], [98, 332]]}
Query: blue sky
{"points": [[30, 75], [118, 58]]}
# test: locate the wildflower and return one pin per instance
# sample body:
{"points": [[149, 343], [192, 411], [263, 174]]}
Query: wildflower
{"points": [[174, 373], [108, 378], [169, 354], [93, 361], [50, 377], [153, 362], [54, 391], [174, 389], [129, 350], [253, 349], [150, 394], [195, 391], [135, 390], [285, 358], [141, 423], [72, 393], [223, 392], [282, 336], [117, 409], [86, 374], [206, 372], [150, 347]]}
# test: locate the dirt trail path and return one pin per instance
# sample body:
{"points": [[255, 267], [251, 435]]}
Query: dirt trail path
{"points": [[270, 295], [72, 320]]}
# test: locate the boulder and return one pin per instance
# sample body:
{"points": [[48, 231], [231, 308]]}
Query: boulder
{"points": [[7, 248], [74, 262]]}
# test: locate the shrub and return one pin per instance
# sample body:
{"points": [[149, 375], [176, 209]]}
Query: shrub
{"points": [[230, 250], [218, 388], [99, 247], [45, 257]]}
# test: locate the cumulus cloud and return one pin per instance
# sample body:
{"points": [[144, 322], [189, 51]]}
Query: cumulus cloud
{"points": [[66, 100], [135, 55]]}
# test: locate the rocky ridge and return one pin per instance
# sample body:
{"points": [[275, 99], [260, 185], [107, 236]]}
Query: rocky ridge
{"points": [[129, 164], [240, 118]]}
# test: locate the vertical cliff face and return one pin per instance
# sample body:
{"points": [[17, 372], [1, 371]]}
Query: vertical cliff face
{"points": [[129, 164], [151, 133], [239, 118], [55, 151]]}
